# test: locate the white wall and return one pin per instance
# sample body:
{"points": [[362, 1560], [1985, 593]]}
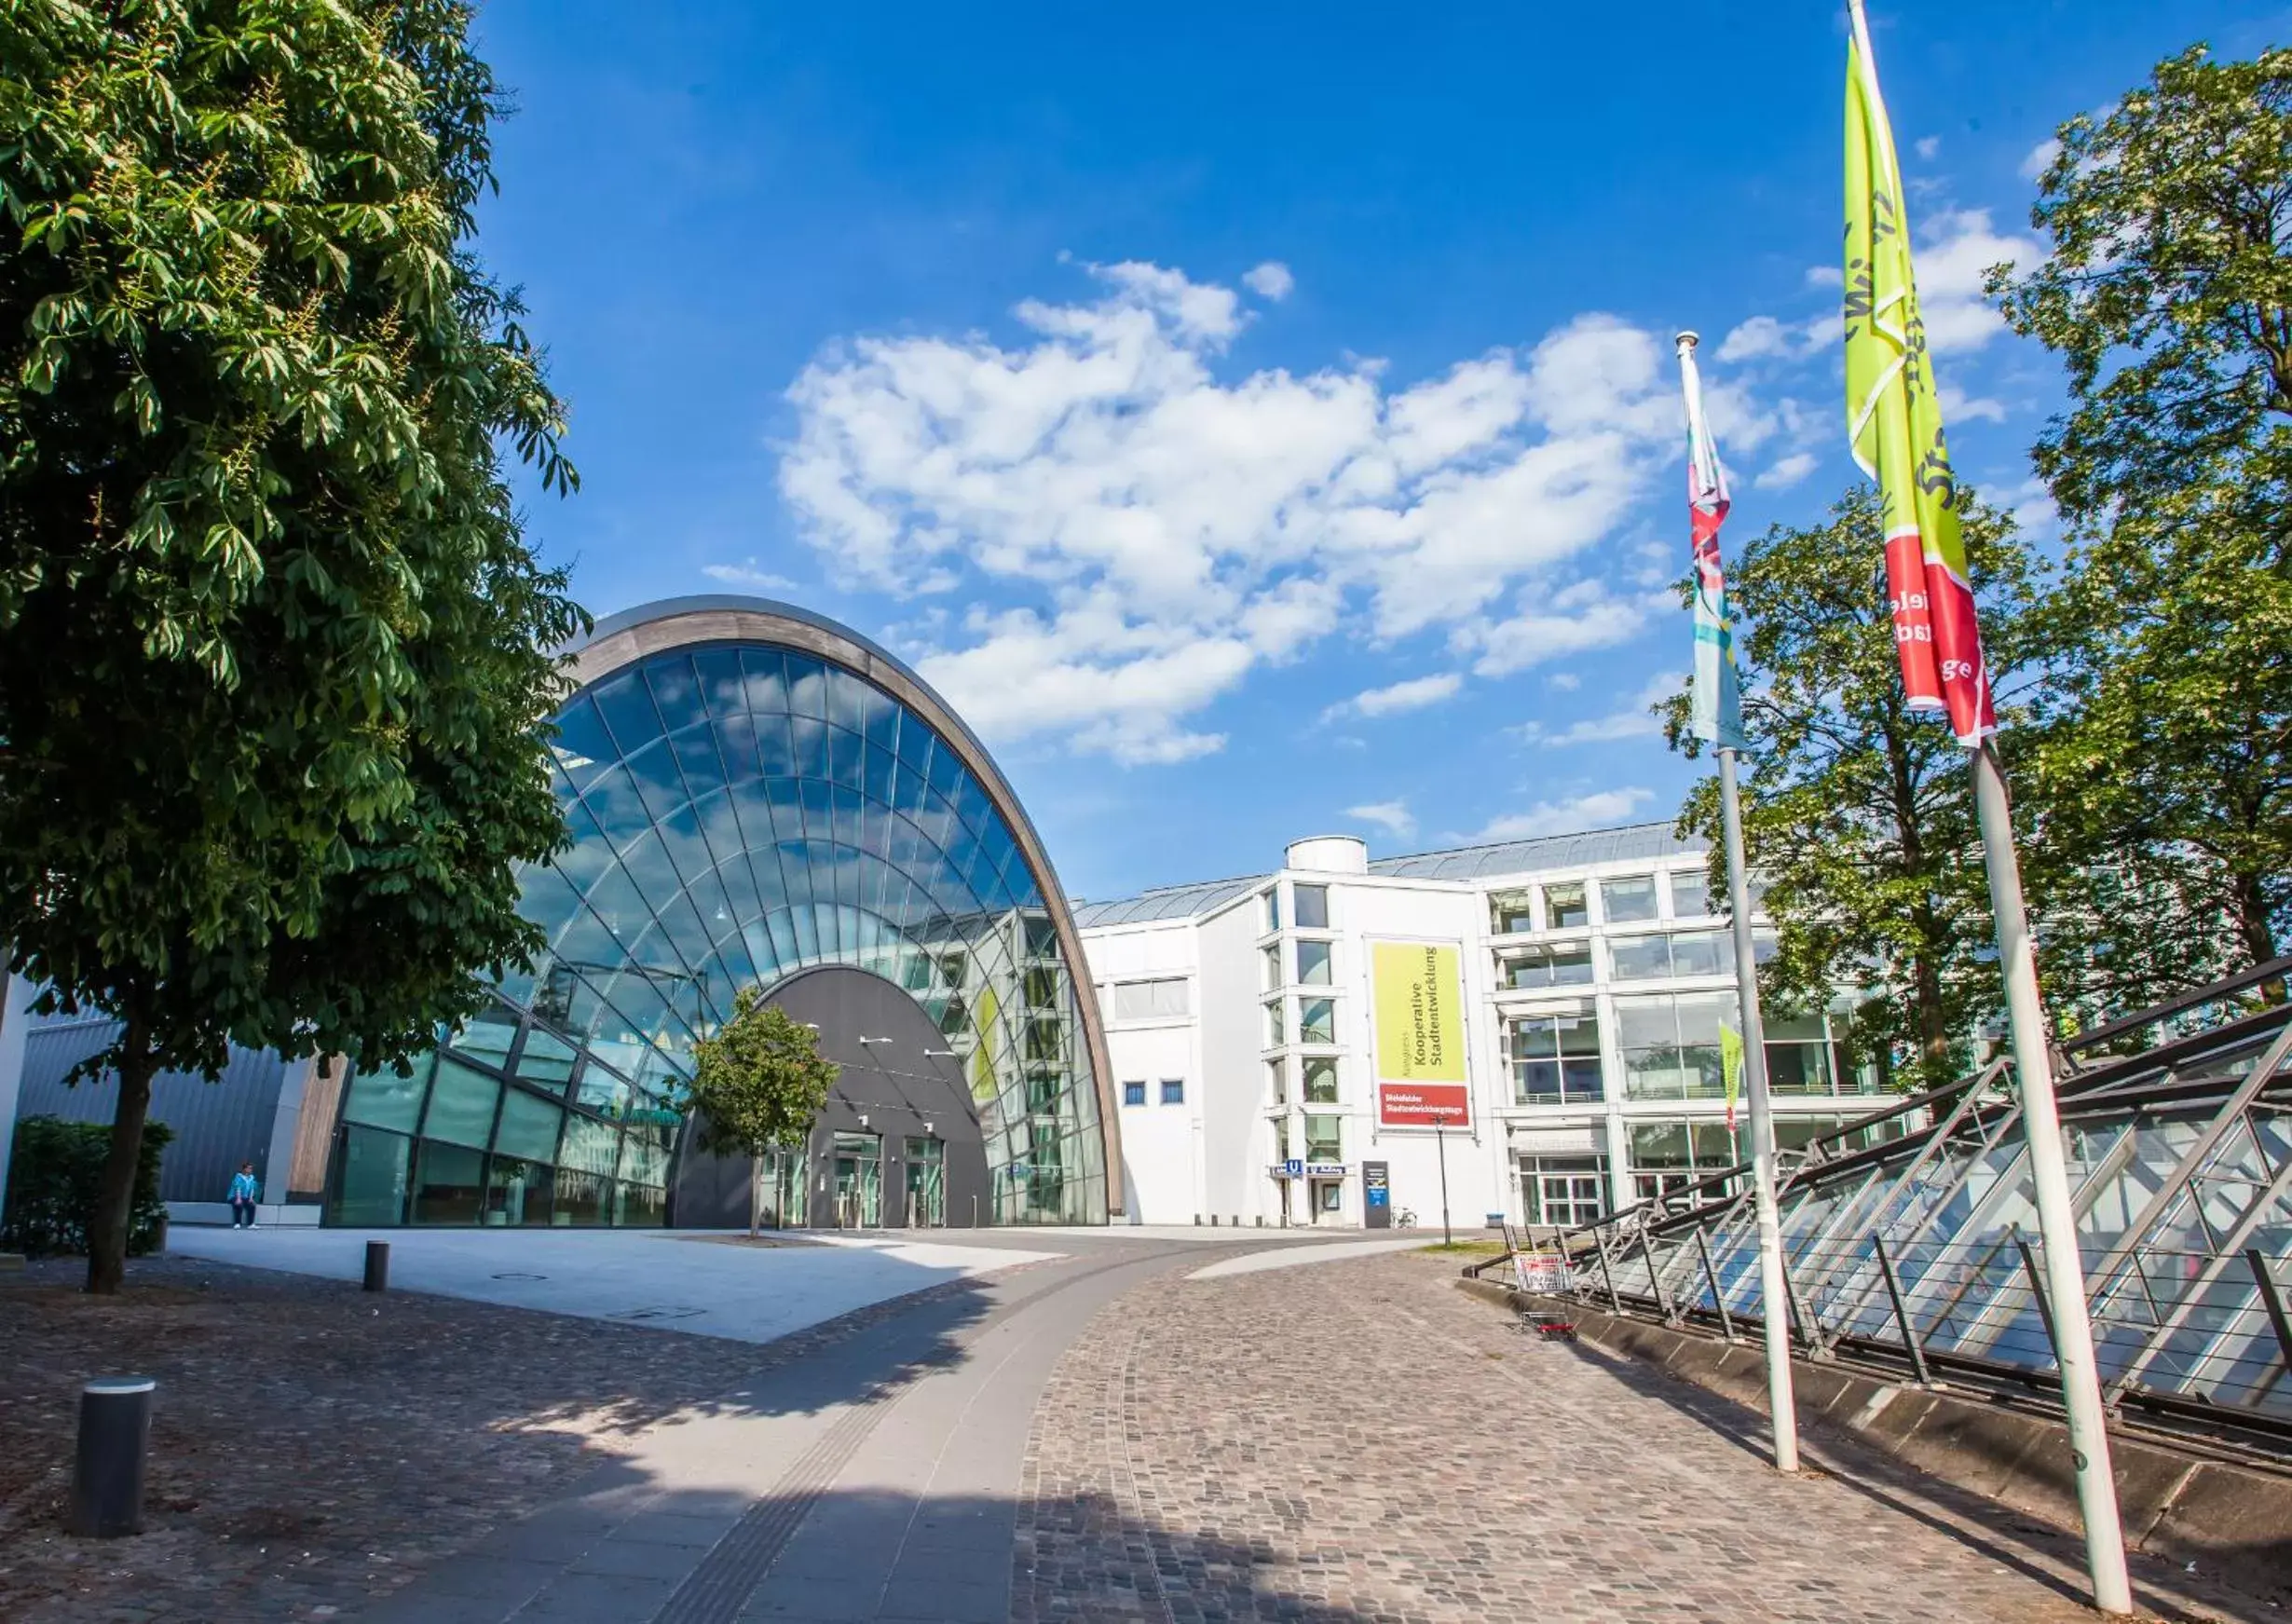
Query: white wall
{"points": [[1237, 1144], [1161, 1168], [16, 994]]}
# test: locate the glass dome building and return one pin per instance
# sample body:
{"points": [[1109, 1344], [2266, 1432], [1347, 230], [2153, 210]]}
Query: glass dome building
{"points": [[760, 796]]}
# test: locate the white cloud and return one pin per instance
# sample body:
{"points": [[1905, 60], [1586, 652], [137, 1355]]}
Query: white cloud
{"points": [[1148, 531], [1564, 681], [1925, 147], [1412, 695], [1393, 816], [1825, 276], [1787, 473], [747, 574], [1959, 407], [2039, 159], [1757, 339], [1564, 817], [1631, 720], [1955, 253], [1270, 280]]}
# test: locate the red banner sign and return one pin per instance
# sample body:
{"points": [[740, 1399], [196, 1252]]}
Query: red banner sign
{"points": [[1423, 1105]]}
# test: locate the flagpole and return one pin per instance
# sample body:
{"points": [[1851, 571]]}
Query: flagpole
{"points": [[1782, 1403], [2065, 1268], [2065, 1273]]}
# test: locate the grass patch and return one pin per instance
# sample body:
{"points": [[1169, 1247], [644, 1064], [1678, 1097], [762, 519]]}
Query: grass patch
{"points": [[1474, 1248]]}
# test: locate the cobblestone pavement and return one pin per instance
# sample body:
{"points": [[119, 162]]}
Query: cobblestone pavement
{"points": [[313, 1446], [1361, 1441]]}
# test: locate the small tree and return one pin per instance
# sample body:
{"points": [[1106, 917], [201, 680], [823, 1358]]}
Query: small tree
{"points": [[759, 1082]]}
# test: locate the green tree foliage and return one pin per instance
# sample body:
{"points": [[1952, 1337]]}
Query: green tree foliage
{"points": [[275, 656], [2168, 292], [55, 1176], [758, 1082], [1858, 814]]}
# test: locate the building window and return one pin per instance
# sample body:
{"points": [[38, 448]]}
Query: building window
{"points": [[1134, 1093], [1273, 910], [1281, 1139], [1629, 899], [1556, 1059], [1669, 1155], [1310, 903], [1313, 963], [1274, 1036], [1162, 1000], [1510, 912], [1317, 1020], [1798, 1055], [1278, 1079], [1564, 909], [1173, 1091], [1690, 894], [1041, 986], [1320, 1081], [1273, 966], [1673, 953], [1563, 965], [1563, 1190], [1324, 1137], [1670, 1044]]}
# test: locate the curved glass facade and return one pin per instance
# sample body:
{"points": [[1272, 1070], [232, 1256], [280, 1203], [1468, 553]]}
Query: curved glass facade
{"points": [[740, 811]]}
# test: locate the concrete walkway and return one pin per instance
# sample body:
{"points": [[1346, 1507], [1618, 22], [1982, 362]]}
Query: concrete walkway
{"points": [[672, 1279], [877, 1480]]}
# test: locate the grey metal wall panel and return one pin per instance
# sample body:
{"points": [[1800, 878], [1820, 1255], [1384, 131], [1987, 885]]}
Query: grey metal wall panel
{"points": [[217, 1125]]}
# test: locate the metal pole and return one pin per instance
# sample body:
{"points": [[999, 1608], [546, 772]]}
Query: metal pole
{"points": [[1774, 1290], [1441, 1134], [1719, 1297], [2081, 1381], [2272, 1300], [378, 1265], [1901, 1313], [1607, 1275]]}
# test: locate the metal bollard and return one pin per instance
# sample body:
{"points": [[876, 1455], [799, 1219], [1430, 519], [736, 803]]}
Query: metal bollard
{"points": [[107, 1474], [378, 1265]]}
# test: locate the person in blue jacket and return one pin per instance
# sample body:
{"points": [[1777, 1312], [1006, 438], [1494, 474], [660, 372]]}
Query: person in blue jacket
{"points": [[244, 1193]]}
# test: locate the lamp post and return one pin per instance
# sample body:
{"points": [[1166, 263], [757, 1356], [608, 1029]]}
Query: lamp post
{"points": [[1440, 1138]]}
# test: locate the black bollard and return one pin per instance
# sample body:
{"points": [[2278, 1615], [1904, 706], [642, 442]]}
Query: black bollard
{"points": [[107, 1475], [378, 1265]]}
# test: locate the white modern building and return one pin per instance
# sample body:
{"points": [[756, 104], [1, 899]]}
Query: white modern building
{"points": [[1538, 1021]]}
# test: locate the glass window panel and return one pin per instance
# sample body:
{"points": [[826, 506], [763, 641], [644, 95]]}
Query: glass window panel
{"points": [[775, 754], [1510, 911], [1702, 953], [517, 1192], [695, 749], [807, 687], [1272, 966], [809, 737], [1278, 1079], [717, 671], [881, 767], [612, 799], [764, 680], [1320, 1074], [588, 1147], [371, 1180], [735, 737], [1314, 963], [847, 752], [487, 1036], [847, 700], [882, 719], [449, 1183], [1310, 903], [1273, 1038], [582, 748], [643, 1159], [1564, 907], [626, 704], [1272, 908], [385, 1099], [1324, 1137], [1629, 898], [1317, 1020], [658, 779], [461, 1105], [1640, 958], [528, 1128], [1690, 894], [675, 690], [581, 1199]]}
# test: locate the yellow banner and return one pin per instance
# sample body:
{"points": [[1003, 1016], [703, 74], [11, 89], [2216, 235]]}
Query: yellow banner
{"points": [[1419, 998]]}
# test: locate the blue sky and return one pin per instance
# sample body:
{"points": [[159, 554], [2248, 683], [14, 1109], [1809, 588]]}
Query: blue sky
{"points": [[1261, 421]]}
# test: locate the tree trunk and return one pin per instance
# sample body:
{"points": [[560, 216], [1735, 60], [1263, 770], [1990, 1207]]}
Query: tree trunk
{"points": [[756, 1195], [1933, 1024], [115, 1209], [2252, 925]]}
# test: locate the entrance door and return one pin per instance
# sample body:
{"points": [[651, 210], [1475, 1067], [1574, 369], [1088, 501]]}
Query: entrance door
{"points": [[1328, 1200], [859, 1180], [783, 1187], [926, 1160]]}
